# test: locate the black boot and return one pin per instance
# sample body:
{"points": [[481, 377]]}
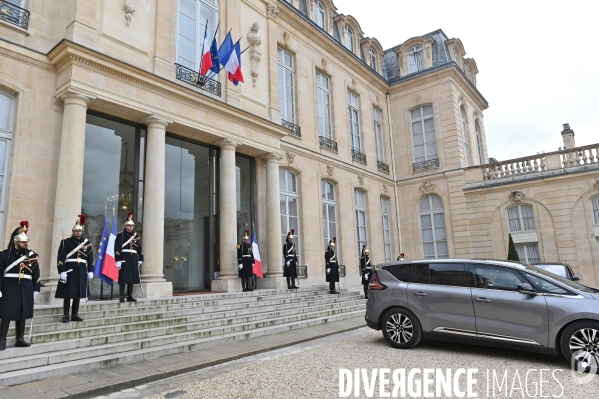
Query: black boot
{"points": [[249, 284], [332, 288], [65, 310], [293, 284], [289, 283], [75, 313], [4, 324], [20, 332], [365, 291], [121, 293], [244, 284], [130, 293]]}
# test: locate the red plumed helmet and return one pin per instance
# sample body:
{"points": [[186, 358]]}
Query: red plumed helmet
{"points": [[82, 219], [24, 224], [334, 239], [130, 215], [292, 231]]}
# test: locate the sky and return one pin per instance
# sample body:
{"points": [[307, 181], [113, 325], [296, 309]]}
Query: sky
{"points": [[537, 61]]}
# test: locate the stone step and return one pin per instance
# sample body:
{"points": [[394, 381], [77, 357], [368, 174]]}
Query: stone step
{"points": [[88, 364]]}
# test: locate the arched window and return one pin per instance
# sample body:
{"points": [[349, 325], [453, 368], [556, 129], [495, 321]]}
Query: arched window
{"points": [[372, 55], [465, 137], [432, 224], [289, 205], [192, 24], [319, 14], [329, 213], [423, 131], [361, 231], [521, 219], [7, 106], [478, 142], [415, 59], [386, 228], [349, 38], [595, 205]]}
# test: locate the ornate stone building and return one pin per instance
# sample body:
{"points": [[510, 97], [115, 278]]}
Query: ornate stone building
{"points": [[102, 111]]}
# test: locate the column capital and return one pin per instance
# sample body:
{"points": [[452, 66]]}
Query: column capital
{"points": [[154, 119], [71, 97], [227, 143], [271, 157]]}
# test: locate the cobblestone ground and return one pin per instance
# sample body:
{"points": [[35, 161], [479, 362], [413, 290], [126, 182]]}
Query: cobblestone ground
{"points": [[312, 371]]}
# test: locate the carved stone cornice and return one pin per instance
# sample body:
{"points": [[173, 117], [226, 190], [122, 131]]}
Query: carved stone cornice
{"points": [[272, 10], [516, 196], [428, 188]]}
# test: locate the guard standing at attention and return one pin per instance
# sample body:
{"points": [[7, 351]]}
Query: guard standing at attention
{"points": [[245, 260], [129, 256], [290, 256], [331, 265], [19, 285], [75, 266], [366, 268]]}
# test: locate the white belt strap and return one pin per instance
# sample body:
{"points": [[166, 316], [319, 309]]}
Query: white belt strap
{"points": [[16, 262], [129, 240], [16, 275], [291, 249], [76, 249], [129, 250], [76, 260], [246, 256]]}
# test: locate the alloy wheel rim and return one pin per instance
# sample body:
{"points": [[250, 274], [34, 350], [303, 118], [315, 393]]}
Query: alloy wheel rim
{"points": [[584, 346], [400, 328]]}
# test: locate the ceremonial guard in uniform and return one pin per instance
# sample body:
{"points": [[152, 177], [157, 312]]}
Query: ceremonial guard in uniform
{"points": [[245, 260], [290, 256], [129, 257], [366, 269], [75, 266], [19, 285], [332, 267]]}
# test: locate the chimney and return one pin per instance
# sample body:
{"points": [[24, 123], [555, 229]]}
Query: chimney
{"points": [[568, 136]]}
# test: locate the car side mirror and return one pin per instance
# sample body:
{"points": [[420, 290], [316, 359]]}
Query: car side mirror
{"points": [[575, 278], [526, 288]]}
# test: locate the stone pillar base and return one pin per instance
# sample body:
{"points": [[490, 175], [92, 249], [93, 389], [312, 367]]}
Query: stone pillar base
{"points": [[272, 283], [152, 290], [46, 296], [226, 285]]}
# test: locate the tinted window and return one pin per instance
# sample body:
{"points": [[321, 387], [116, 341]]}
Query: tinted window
{"points": [[555, 269], [545, 286], [420, 274], [561, 280], [496, 277], [400, 272], [453, 274]]}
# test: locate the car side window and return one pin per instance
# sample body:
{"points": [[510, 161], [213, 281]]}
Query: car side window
{"points": [[452, 274], [493, 277], [547, 287], [420, 274], [400, 272]]}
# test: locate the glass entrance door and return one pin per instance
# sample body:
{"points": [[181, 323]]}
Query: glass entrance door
{"points": [[187, 216]]}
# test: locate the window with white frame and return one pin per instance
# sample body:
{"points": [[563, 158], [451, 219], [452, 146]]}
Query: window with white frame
{"points": [[191, 26], [415, 59], [361, 231], [521, 218], [595, 205], [349, 38], [378, 134], [423, 131], [372, 55], [528, 252], [478, 143], [289, 205], [7, 109], [465, 136], [432, 225], [323, 105], [329, 213], [354, 121], [286, 86], [319, 14], [386, 229]]}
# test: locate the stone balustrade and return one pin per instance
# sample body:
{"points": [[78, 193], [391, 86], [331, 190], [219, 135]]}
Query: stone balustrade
{"points": [[580, 156]]}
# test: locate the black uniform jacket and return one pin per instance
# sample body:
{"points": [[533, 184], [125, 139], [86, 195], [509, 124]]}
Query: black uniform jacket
{"points": [[17, 293], [245, 257], [367, 269], [127, 250], [330, 260], [289, 254], [76, 255]]}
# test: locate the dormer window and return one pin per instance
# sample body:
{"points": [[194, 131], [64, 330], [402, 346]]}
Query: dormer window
{"points": [[372, 55], [415, 59], [319, 14], [349, 38]]}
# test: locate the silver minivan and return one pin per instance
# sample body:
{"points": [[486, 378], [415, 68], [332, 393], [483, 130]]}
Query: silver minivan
{"points": [[497, 303]]}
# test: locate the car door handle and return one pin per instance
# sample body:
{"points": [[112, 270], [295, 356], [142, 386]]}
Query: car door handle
{"points": [[420, 293], [482, 300]]}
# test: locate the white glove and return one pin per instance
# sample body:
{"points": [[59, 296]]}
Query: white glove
{"points": [[139, 262], [366, 276], [90, 275], [240, 266], [63, 277], [288, 263], [328, 270], [34, 294], [118, 265], [0, 294]]}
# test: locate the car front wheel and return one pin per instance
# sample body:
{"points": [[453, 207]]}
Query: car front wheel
{"points": [[580, 346], [401, 328]]}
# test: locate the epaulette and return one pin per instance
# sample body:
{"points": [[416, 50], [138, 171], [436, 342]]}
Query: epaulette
{"points": [[238, 246]]}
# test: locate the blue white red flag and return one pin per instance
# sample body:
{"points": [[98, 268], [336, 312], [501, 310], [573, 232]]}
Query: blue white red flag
{"points": [[227, 56], [102, 254], [257, 269], [109, 268], [206, 63]]}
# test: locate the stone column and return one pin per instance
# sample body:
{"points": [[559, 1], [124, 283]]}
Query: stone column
{"points": [[69, 185], [152, 276], [227, 280], [274, 274]]}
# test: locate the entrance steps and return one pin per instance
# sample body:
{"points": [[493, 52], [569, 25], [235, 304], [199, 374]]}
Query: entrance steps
{"points": [[116, 333]]}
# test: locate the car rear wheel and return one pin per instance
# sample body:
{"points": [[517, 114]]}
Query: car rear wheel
{"points": [[401, 328], [580, 346]]}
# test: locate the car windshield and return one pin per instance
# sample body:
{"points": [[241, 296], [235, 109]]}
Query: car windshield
{"points": [[556, 269], [562, 280]]}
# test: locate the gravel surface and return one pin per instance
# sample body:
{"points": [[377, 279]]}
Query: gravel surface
{"points": [[314, 372]]}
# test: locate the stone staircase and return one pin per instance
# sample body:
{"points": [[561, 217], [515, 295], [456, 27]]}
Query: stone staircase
{"points": [[118, 333]]}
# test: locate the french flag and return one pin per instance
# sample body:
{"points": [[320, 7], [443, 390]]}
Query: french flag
{"points": [[257, 269], [206, 63], [109, 268], [228, 58], [102, 254]]}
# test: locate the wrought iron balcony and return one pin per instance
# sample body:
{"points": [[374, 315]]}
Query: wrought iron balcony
{"points": [[14, 15], [382, 166], [193, 78], [294, 130], [302, 271], [328, 144], [342, 272], [429, 164], [358, 156]]}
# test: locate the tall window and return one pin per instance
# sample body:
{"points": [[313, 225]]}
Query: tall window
{"points": [[432, 223], [286, 92], [372, 55], [7, 105], [423, 130], [354, 121], [595, 205], [192, 23], [329, 213], [378, 134], [478, 143], [415, 59], [521, 218], [465, 137], [289, 205], [323, 104], [361, 219], [386, 229], [349, 38], [319, 14]]}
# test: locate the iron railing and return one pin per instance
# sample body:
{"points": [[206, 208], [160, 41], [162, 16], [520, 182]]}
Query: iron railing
{"points": [[342, 271], [328, 144], [429, 164], [294, 130], [302, 271], [358, 156], [14, 15], [382, 166], [193, 78]]}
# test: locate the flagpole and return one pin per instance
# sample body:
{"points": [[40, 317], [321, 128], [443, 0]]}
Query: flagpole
{"points": [[202, 57], [220, 67]]}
